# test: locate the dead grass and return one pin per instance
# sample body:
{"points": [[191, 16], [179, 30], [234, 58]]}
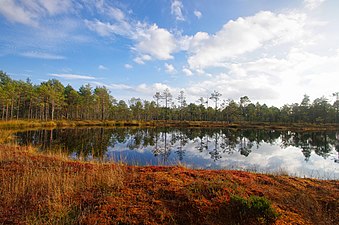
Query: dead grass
{"points": [[19, 124], [39, 189], [49, 189]]}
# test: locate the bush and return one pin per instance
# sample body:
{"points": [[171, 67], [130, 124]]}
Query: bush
{"points": [[252, 210]]}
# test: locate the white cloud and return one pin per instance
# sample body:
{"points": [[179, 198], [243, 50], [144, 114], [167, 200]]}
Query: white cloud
{"points": [[117, 14], [312, 4], [187, 72], [41, 55], [156, 42], [128, 66], [198, 14], [72, 76], [243, 36], [142, 59], [274, 81], [102, 67], [107, 29], [161, 87], [108, 10], [120, 25], [16, 13], [176, 10], [113, 86], [119, 87], [150, 41], [55, 7], [31, 12], [151, 89], [169, 68]]}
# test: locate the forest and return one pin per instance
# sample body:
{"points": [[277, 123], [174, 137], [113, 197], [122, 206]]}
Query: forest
{"points": [[51, 100]]}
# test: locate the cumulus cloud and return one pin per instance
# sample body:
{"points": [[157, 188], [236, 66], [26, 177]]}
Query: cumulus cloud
{"points": [[149, 41], [102, 67], [72, 76], [142, 59], [273, 80], [156, 42], [242, 36], [198, 14], [128, 66], [187, 72], [169, 68], [176, 9], [255, 87], [150, 89]]}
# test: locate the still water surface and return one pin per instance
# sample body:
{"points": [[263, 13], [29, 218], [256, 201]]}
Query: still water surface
{"points": [[303, 154]]}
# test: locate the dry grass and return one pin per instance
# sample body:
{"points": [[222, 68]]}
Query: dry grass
{"points": [[42, 189], [48, 189], [18, 124], [6, 135]]}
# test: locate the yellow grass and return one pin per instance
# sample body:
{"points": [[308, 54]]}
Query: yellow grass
{"points": [[48, 189]]}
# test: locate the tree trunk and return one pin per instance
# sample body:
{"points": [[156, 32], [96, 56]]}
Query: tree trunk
{"points": [[12, 108], [3, 112], [18, 109], [53, 107], [6, 111], [102, 110], [30, 109]]}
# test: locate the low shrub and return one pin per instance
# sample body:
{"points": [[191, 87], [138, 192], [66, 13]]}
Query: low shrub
{"points": [[254, 210]]}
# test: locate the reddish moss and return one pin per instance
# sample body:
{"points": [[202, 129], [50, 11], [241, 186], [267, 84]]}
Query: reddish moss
{"points": [[117, 194]]}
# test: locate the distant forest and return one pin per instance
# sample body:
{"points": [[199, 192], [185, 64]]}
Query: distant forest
{"points": [[51, 100]]}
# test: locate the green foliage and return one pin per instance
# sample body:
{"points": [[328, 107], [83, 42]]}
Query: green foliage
{"points": [[254, 209]]}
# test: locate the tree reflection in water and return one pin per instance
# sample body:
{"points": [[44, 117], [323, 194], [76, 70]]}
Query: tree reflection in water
{"points": [[89, 143]]}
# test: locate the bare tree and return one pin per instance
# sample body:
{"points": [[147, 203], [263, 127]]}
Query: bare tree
{"points": [[182, 102], [215, 96], [157, 98], [167, 96], [336, 105]]}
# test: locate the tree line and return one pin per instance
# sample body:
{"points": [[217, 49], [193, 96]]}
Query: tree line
{"points": [[52, 100]]}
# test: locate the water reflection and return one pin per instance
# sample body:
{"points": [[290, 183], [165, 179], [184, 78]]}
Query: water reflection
{"points": [[206, 148]]}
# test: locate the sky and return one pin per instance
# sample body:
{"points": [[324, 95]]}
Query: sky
{"points": [[274, 52]]}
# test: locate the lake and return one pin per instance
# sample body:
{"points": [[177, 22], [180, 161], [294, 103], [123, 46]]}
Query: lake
{"points": [[302, 154]]}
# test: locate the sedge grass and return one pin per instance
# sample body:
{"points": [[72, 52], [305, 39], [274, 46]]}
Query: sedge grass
{"points": [[48, 190]]}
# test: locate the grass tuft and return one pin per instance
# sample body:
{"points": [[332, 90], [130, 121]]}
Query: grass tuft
{"points": [[255, 209]]}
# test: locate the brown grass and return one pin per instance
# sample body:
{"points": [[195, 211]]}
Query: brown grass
{"points": [[48, 189], [18, 124], [39, 189]]}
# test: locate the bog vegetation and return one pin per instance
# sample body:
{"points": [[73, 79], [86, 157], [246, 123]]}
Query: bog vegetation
{"points": [[51, 100], [52, 189]]}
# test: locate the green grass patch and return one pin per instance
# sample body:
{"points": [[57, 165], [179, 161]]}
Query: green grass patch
{"points": [[254, 209]]}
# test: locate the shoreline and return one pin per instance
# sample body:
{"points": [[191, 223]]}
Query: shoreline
{"points": [[167, 123]]}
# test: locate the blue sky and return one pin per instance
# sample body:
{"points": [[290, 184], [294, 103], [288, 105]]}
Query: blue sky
{"points": [[272, 51]]}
